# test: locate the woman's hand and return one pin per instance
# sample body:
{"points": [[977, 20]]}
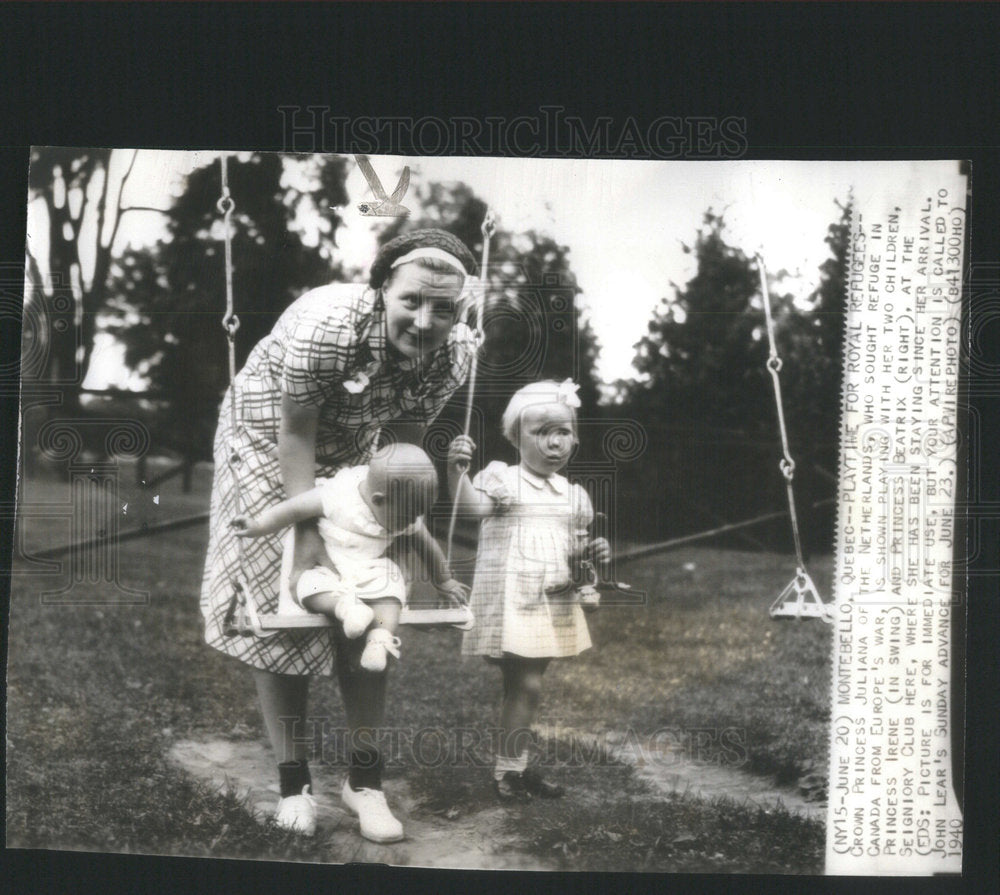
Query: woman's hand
{"points": [[247, 527], [599, 550], [460, 453], [454, 591], [309, 551]]}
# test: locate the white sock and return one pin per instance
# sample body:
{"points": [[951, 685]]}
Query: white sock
{"points": [[504, 764]]}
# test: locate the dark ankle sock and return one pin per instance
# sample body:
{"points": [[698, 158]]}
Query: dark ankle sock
{"points": [[293, 775], [365, 771]]}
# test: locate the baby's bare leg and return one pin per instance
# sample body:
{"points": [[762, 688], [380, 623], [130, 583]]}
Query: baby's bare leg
{"points": [[324, 603], [327, 595], [386, 610]]}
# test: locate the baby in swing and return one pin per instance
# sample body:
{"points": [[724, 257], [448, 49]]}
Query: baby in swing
{"points": [[362, 510], [527, 607]]}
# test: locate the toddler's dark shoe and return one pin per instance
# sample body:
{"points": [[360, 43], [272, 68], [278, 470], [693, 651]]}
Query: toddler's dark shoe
{"points": [[536, 785], [510, 787]]}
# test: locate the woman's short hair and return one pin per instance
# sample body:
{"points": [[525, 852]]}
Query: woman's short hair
{"points": [[416, 239], [547, 391]]}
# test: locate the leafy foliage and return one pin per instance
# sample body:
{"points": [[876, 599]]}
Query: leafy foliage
{"points": [[706, 396], [169, 301], [703, 357]]}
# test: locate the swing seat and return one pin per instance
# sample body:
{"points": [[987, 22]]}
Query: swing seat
{"points": [[292, 616], [800, 599], [248, 623], [459, 617], [280, 621], [239, 624], [243, 620]]}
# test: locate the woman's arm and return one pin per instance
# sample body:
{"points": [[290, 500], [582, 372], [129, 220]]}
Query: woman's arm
{"points": [[297, 459], [297, 446]]}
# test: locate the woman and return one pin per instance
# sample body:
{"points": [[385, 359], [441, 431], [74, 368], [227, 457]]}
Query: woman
{"points": [[341, 362]]}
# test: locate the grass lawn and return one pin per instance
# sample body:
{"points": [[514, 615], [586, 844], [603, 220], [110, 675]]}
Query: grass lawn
{"points": [[704, 655], [97, 694]]}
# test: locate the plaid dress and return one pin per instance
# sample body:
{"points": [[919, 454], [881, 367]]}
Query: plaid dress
{"points": [[524, 549], [330, 336]]}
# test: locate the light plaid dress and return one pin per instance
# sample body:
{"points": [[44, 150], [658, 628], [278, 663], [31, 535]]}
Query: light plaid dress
{"points": [[525, 548], [322, 340]]}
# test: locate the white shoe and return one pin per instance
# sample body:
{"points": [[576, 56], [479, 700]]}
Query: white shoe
{"points": [[380, 642], [297, 813], [354, 615], [377, 821]]}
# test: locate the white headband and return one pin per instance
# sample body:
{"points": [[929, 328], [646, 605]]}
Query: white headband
{"points": [[431, 252]]}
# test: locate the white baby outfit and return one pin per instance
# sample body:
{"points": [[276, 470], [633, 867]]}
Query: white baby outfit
{"points": [[355, 541]]}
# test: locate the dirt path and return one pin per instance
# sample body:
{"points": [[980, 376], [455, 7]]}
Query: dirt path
{"points": [[469, 841], [475, 841], [669, 770]]}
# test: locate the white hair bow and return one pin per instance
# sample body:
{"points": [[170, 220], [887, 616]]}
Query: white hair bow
{"points": [[566, 393]]}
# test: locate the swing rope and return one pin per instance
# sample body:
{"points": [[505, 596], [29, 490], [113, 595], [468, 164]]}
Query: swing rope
{"points": [[800, 597], [488, 228], [241, 617], [774, 363]]}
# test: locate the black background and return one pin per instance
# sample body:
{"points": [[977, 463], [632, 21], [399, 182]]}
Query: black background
{"points": [[812, 80]]}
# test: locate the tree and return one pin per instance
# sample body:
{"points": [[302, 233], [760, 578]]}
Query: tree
{"points": [[82, 201], [703, 373], [76, 208], [702, 360], [168, 302], [816, 338], [812, 375]]}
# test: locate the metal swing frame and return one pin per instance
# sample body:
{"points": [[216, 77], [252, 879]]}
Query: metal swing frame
{"points": [[242, 618], [799, 599]]}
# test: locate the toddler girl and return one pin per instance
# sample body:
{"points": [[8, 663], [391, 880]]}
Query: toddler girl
{"points": [[534, 527]]}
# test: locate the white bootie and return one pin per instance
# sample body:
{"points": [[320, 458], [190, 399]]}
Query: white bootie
{"points": [[297, 813], [380, 642], [377, 821], [354, 614]]}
